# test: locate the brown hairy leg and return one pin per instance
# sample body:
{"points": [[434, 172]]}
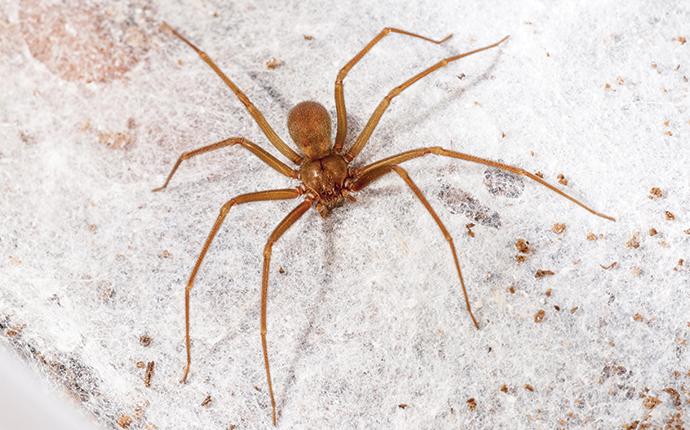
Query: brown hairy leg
{"points": [[285, 224], [243, 198], [252, 147], [279, 144], [374, 174], [437, 150], [363, 137], [340, 109]]}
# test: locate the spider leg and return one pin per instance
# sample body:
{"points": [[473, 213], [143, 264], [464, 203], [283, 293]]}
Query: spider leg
{"points": [[340, 96], [363, 137], [437, 150], [285, 224], [252, 147], [253, 111], [372, 175], [242, 198]]}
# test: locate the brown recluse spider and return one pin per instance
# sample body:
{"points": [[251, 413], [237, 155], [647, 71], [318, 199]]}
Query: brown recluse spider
{"points": [[326, 178]]}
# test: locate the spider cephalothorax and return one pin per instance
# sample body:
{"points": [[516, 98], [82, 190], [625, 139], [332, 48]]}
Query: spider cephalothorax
{"points": [[326, 179]]}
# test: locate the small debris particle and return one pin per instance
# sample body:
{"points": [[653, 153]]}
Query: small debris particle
{"points": [[511, 290], [124, 421], [403, 405], [558, 228], [145, 340], [520, 258], [131, 123], [140, 364], [653, 232], [632, 426], [655, 193], [635, 270], [634, 242], [165, 254], [667, 123], [669, 215], [522, 246], [539, 174], [686, 231], [561, 179], [591, 236], [308, 37], [469, 226], [207, 401], [539, 316], [574, 309], [607, 86], [675, 397], [503, 135], [558, 308], [282, 270], [461, 76], [653, 65], [92, 228], [610, 266], [504, 388], [232, 427], [274, 63], [149, 373], [620, 80], [651, 402], [542, 273], [681, 39], [638, 317], [471, 404], [529, 388], [668, 133], [548, 292]]}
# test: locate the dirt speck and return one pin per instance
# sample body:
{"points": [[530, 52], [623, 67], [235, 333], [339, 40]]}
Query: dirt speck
{"points": [[308, 37], [529, 388], [669, 215], [653, 231], [651, 402], [539, 316], [562, 179], [150, 367], [638, 317], [471, 404], [145, 340], [468, 227], [207, 401], [633, 242], [558, 228], [403, 406], [655, 193], [541, 273], [124, 421], [274, 63], [522, 246]]}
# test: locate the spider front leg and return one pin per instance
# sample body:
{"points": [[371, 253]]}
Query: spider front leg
{"points": [[253, 148], [363, 180], [363, 137], [268, 131], [340, 96], [437, 150], [285, 224], [243, 198]]}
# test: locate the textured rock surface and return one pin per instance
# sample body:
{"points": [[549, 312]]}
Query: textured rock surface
{"points": [[367, 328]]}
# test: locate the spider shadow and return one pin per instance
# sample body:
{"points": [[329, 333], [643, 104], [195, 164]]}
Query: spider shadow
{"points": [[329, 253]]}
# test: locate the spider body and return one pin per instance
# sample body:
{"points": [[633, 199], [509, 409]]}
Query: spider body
{"points": [[326, 179]]}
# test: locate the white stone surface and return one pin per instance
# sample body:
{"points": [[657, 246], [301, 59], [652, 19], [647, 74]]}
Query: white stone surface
{"points": [[95, 106]]}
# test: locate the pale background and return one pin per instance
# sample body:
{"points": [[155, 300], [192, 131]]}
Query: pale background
{"points": [[96, 103]]}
